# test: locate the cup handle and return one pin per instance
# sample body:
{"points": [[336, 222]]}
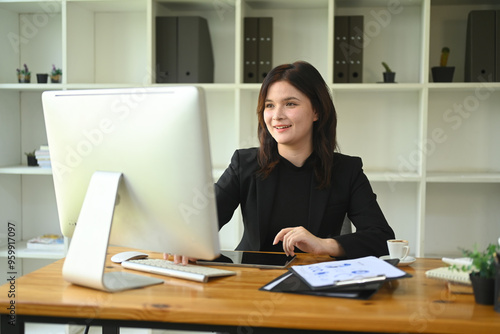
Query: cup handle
{"points": [[407, 250]]}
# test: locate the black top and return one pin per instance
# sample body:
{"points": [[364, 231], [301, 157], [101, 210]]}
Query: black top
{"points": [[291, 200], [349, 194]]}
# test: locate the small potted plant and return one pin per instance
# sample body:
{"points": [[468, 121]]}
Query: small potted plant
{"points": [[42, 77], [482, 272], [389, 75], [443, 73], [24, 74], [55, 74], [31, 158]]}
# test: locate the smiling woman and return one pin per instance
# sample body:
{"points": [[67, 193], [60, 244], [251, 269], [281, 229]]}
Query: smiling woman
{"points": [[295, 190]]}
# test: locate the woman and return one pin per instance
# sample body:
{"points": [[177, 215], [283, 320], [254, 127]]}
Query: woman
{"points": [[294, 190]]}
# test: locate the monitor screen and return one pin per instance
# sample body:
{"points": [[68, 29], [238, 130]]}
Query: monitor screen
{"points": [[157, 138]]}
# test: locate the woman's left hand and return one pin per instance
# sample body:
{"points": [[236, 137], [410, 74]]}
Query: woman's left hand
{"points": [[307, 242]]}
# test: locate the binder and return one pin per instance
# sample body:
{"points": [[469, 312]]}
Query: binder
{"points": [[291, 283], [497, 47], [265, 47], [166, 49], [250, 49], [183, 50], [356, 49], [195, 57], [480, 50], [341, 49]]}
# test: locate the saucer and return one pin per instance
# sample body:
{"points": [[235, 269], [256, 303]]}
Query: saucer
{"points": [[406, 262]]}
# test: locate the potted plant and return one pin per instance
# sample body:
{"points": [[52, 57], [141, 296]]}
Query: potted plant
{"points": [[42, 77], [24, 74], [31, 158], [389, 75], [482, 273], [55, 74], [443, 73]]}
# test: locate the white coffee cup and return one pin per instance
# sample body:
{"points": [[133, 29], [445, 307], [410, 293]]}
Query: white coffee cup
{"points": [[398, 248]]}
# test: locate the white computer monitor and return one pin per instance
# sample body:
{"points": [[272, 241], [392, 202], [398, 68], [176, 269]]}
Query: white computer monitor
{"points": [[147, 152]]}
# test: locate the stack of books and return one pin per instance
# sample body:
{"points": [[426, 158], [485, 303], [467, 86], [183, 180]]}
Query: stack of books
{"points": [[47, 242], [457, 281], [43, 157]]}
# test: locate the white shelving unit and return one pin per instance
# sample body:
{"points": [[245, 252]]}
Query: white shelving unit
{"points": [[428, 148]]}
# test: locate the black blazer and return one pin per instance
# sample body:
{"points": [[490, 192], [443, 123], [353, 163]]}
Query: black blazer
{"points": [[350, 193]]}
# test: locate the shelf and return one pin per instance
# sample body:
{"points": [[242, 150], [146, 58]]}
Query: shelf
{"points": [[25, 170], [436, 177], [392, 176], [22, 252]]}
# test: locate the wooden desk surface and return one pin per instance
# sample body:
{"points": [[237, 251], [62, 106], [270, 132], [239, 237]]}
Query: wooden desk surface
{"points": [[412, 305]]}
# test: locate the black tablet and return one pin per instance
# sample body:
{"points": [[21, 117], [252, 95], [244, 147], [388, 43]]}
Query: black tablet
{"points": [[250, 259]]}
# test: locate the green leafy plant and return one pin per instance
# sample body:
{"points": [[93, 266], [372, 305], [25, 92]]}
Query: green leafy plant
{"points": [[445, 52], [483, 262], [387, 68], [55, 71], [24, 71], [30, 154]]}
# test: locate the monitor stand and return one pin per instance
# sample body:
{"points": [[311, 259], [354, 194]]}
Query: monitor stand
{"points": [[86, 258]]}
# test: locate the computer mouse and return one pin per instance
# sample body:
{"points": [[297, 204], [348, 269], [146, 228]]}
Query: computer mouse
{"points": [[130, 255]]}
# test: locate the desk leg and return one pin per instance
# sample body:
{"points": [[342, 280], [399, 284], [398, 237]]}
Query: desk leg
{"points": [[11, 326], [109, 329]]}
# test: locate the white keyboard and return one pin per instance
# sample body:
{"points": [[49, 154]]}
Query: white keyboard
{"points": [[169, 268]]}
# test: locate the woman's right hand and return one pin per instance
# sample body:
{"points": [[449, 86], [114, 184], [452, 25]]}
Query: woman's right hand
{"points": [[179, 259]]}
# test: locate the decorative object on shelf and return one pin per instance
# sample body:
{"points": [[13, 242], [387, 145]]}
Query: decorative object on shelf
{"points": [[24, 74], [31, 158], [389, 75], [42, 77], [443, 73], [46, 242], [43, 156], [497, 280], [55, 74], [483, 272]]}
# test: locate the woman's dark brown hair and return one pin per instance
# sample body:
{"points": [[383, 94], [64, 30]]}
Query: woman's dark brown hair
{"points": [[306, 78]]}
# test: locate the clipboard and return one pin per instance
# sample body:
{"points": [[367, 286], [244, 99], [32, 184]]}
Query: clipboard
{"points": [[355, 288], [353, 272], [291, 283]]}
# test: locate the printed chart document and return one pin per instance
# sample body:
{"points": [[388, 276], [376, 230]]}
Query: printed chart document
{"points": [[347, 272]]}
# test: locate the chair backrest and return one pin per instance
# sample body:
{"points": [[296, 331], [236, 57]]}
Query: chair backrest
{"points": [[346, 226]]}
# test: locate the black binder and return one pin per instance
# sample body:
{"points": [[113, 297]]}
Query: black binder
{"points": [[341, 50], [497, 46], [265, 47], [356, 49], [480, 50], [183, 50], [195, 56], [250, 49], [166, 49], [348, 49]]}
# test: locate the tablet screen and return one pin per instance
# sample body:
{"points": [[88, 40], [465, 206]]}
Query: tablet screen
{"points": [[250, 259]]}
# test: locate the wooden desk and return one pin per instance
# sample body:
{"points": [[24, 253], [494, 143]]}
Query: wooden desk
{"points": [[412, 305]]}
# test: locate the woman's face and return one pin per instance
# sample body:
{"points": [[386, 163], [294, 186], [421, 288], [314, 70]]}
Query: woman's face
{"points": [[289, 116]]}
